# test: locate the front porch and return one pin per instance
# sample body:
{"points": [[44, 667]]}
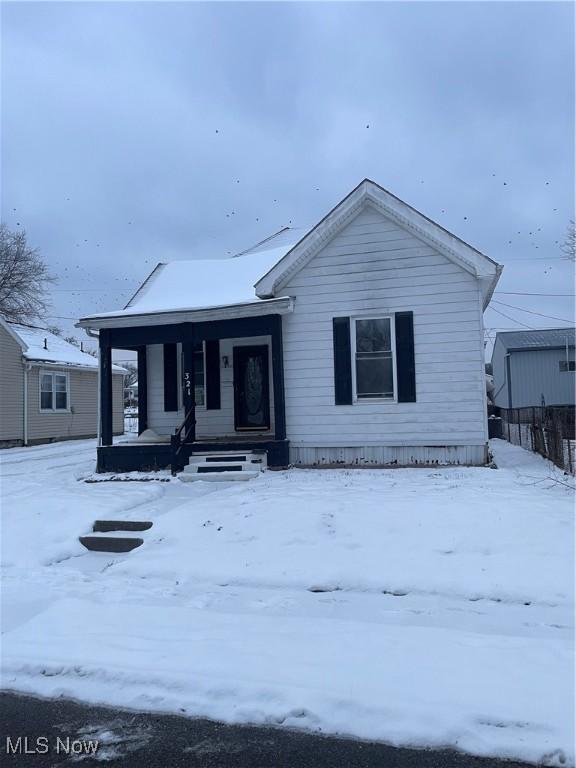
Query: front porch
{"points": [[203, 386], [142, 457]]}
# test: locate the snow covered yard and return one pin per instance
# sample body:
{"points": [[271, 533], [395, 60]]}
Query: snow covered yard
{"points": [[428, 607]]}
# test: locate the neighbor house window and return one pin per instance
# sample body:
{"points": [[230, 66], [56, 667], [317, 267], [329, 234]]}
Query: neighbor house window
{"points": [[567, 365], [373, 352], [54, 391]]}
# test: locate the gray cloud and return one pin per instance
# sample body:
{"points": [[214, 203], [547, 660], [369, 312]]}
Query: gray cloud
{"points": [[131, 132]]}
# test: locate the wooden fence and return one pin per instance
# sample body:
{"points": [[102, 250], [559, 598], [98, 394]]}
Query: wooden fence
{"points": [[549, 431]]}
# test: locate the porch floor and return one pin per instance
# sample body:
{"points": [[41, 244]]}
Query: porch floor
{"points": [[134, 455], [245, 437]]}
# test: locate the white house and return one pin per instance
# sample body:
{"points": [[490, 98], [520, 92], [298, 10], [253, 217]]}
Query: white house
{"points": [[359, 341]]}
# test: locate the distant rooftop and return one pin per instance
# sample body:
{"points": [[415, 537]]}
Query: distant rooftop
{"points": [[41, 344], [546, 337]]}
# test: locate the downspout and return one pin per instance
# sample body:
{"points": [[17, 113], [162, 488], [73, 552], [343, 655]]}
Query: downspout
{"points": [[509, 380], [25, 409], [93, 335]]}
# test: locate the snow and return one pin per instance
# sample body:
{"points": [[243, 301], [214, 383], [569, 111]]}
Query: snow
{"points": [[427, 607], [42, 345], [209, 283]]}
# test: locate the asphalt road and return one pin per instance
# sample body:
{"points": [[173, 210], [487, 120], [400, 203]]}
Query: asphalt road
{"points": [[143, 740]]}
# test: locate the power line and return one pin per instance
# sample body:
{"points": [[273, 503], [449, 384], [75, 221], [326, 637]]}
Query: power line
{"points": [[537, 258], [90, 290], [522, 293], [531, 312], [510, 318]]}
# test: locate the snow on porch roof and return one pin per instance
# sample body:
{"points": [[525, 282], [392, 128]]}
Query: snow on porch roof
{"points": [[40, 345], [209, 283]]}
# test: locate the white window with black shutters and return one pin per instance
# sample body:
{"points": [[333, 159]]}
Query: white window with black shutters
{"points": [[54, 391], [373, 358]]}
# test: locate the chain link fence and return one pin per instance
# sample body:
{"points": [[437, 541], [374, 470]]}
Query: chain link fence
{"points": [[549, 431]]}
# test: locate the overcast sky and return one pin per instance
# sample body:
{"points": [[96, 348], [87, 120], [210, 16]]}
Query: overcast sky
{"points": [[134, 133]]}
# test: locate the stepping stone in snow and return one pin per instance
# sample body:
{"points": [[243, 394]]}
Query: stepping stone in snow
{"points": [[103, 526], [110, 543]]}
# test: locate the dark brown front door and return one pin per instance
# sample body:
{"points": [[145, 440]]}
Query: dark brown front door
{"points": [[251, 389]]}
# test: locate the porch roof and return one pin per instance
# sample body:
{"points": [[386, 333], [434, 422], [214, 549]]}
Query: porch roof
{"points": [[124, 319], [204, 289]]}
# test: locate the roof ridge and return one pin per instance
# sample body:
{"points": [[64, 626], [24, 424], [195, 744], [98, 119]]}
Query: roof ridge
{"points": [[257, 245]]}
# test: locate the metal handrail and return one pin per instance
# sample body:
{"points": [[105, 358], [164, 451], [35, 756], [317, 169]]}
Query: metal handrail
{"points": [[184, 423], [176, 441]]}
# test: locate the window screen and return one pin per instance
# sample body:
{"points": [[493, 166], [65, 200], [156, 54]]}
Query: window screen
{"points": [[374, 365]]}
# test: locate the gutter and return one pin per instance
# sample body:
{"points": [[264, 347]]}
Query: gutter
{"points": [[26, 368], [277, 306], [509, 380]]}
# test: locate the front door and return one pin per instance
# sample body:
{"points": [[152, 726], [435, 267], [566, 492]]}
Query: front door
{"points": [[251, 389]]}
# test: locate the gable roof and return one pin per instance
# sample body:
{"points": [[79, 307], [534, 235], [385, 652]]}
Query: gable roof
{"points": [[242, 284], [551, 338], [368, 193], [40, 345]]}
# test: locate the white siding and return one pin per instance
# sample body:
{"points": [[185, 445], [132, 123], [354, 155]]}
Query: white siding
{"points": [[401, 456], [374, 267], [212, 423]]}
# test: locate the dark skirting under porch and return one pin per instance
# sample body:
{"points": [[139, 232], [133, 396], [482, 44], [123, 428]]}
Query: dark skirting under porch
{"points": [[131, 457]]}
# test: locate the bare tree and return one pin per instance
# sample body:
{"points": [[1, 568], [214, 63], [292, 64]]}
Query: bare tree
{"points": [[568, 247], [24, 278], [132, 375]]}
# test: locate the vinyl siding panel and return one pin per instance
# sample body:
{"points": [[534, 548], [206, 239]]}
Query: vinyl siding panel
{"points": [[209, 423], [81, 421], [536, 375], [372, 267], [11, 388]]}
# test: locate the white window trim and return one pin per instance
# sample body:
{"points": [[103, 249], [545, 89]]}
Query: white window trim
{"points": [[180, 379], [371, 400], [53, 374]]}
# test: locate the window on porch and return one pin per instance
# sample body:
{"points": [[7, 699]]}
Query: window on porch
{"points": [[199, 375]]}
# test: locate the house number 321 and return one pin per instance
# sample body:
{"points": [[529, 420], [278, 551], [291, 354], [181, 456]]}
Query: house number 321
{"points": [[187, 383]]}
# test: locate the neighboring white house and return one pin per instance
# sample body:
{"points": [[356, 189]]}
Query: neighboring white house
{"points": [[49, 388], [359, 341]]}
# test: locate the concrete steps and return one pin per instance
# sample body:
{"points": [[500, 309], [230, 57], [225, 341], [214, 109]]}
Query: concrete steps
{"points": [[221, 477], [224, 466], [103, 526], [111, 543], [109, 535]]}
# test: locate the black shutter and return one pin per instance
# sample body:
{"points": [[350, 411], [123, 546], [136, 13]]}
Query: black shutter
{"points": [[212, 363], [170, 378], [342, 361], [405, 367]]}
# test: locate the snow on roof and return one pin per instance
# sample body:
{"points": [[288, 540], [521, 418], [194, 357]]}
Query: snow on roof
{"points": [[47, 347], [208, 283], [545, 337]]}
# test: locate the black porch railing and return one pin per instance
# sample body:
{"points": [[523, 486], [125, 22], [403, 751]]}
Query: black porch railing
{"points": [[177, 443]]}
